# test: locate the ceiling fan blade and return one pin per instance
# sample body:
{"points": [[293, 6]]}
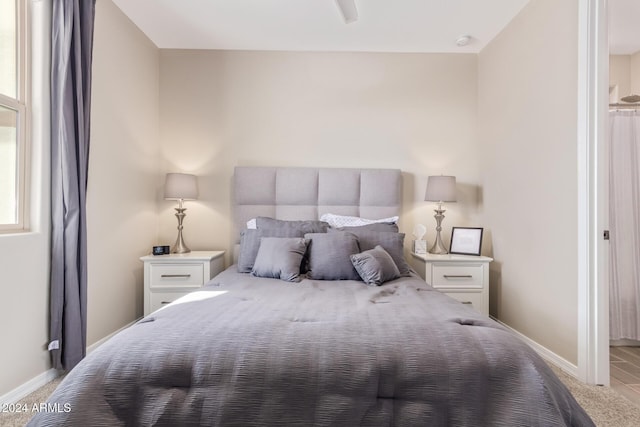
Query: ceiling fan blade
{"points": [[348, 10]]}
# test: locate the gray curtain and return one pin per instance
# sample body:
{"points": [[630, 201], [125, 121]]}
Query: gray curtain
{"points": [[71, 50]]}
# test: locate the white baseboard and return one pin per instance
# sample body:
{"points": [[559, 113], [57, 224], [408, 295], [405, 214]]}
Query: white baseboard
{"points": [[544, 352], [29, 387], [44, 378]]}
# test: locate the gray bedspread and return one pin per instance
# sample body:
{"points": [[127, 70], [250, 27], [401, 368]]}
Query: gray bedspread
{"points": [[246, 351]]}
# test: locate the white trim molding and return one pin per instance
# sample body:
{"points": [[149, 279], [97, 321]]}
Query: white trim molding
{"points": [[44, 378], [29, 387], [544, 352], [593, 310]]}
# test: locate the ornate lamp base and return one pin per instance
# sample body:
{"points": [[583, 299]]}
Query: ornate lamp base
{"points": [[438, 246], [180, 247]]}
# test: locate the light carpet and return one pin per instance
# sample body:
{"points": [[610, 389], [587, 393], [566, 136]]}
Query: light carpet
{"points": [[606, 407]]}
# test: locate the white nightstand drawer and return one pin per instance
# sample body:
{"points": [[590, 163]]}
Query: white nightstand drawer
{"points": [[168, 277], [176, 275], [160, 299], [458, 276], [465, 278], [474, 299]]}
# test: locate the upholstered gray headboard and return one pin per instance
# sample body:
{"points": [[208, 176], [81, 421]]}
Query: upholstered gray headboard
{"points": [[308, 193]]}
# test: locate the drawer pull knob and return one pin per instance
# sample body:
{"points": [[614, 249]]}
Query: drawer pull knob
{"points": [[467, 302], [165, 302], [458, 276], [186, 276]]}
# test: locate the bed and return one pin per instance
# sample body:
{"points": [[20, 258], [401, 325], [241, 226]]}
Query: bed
{"points": [[309, 349]]}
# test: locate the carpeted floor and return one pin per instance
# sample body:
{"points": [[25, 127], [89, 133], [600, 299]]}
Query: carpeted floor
{"points": [[19, 419], [605, 407]]}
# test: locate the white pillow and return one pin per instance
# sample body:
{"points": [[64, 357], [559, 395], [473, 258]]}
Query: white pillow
{"points": [[337, 221]]}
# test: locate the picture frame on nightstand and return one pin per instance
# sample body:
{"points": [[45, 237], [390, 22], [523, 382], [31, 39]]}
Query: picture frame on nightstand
{"points": [[466, 240]]}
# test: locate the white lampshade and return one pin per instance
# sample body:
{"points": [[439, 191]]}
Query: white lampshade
{"points": [[441, 189], [180, 186]]}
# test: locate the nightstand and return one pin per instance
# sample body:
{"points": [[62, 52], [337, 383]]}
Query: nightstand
{"points": [[462, 277], [168, 277]]}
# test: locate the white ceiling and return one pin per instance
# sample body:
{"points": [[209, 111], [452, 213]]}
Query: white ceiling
{"points": [[316, 25], [624, 26], [383, 25]]}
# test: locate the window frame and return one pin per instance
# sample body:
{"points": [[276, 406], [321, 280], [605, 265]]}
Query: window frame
{"points": [[20, 104]]}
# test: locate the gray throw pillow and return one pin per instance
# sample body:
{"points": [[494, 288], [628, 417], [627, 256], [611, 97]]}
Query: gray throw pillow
{"points": [[329, 256], [280, 258], [297, 228], [393, 243], [375, 266], [250, 243], [264, 223]]}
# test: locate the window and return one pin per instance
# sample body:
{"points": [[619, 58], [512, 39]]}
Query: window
{"points": [[13, 114]]}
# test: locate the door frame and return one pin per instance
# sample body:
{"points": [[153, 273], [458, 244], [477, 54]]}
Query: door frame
{"points": [[593, 204]]}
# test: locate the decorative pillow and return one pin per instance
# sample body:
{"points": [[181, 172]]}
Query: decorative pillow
{"points": [[337, 221], [393, 243], [280, 258], [375, 266], [250, 244], [329, 256], [264, 223], [377, 226]]}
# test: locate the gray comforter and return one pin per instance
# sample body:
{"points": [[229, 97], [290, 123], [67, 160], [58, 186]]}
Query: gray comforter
{"points": [[246, 351]]}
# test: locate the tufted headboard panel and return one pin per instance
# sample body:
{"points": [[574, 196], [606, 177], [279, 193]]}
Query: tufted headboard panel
{"points": [[308, 193]]}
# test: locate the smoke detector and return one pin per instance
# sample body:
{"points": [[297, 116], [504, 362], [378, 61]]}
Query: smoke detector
{"points": [[464, 40]]}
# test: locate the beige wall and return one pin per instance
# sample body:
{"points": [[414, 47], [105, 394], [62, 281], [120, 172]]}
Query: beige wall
{"points": [[123, 169], [624, 71], [24, 264], [620, 75], [528, 146], [634, 74], [219, 109], [25, 307], [121, 205]]}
